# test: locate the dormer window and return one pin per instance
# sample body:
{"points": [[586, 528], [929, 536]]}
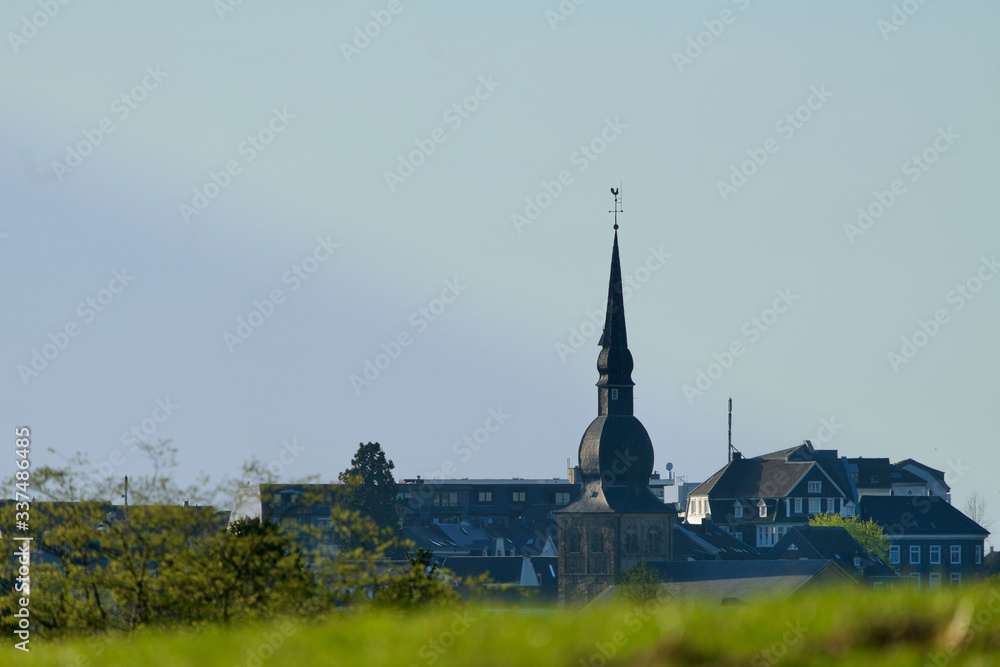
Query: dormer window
{"points": [[857, 561], [614, 394], [737, 510], [762, 506], [815, 487]]}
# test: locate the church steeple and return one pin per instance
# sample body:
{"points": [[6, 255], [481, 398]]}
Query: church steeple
{"points": [[614, 363]]}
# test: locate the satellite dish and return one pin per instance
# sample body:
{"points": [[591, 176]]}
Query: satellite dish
{"points": [[670, 466]]}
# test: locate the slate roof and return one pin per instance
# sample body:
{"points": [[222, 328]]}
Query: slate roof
{"points": [[598, 498], [867, 470], [827, 543], [501, 569], [741, 579], [900, 476], [546, 569], [918, 515], [705, 541], [744, 478], [934, 472]]}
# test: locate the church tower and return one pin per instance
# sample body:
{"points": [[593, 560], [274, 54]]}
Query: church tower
{"points": [[617, 522]]}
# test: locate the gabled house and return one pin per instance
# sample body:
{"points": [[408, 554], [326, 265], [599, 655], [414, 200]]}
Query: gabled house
{"points": [[836, 544], [931, 541], [912, 478], [871, 477], [758, 499]]}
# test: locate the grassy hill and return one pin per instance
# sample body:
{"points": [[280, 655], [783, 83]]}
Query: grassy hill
{"points": [[947, 627]]}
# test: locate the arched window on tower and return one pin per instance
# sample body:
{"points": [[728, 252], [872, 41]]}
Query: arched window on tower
{"points": [[596, 542], [653, 541], [631, 542], [573, 541]]}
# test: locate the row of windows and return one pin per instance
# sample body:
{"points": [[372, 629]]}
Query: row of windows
{"points": [[815, 507], [654, 542], [450, 498], [934, 554], [934, 580]]}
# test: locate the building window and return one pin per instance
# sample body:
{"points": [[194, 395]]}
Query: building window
{"points": [[956, 554], [915, 578], [485, 497], [446, 499], [914, 555], [935, 557], [878, 585], [631, 542], [894, 554], [596, 542], [561, 498], [831, 505], [614, 394], [934, 580], [518, 496], [737, 510], [815, 487], [574, 542], [956, 578], [653, 541], [979, 554], [762, 508], [814, 506], [857, 561], [798, 506], [874, 479]]}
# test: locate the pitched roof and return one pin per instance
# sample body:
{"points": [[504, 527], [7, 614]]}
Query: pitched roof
{"points": [[598, 498], [918, 515], [871, 473], [933, 472], [501, 569], [705, 541]]}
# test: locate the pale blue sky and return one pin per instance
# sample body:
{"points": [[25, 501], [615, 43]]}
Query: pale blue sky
{"points": [[677, 129]]}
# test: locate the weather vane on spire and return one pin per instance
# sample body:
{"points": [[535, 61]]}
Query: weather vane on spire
{"points": [[618, 207]]}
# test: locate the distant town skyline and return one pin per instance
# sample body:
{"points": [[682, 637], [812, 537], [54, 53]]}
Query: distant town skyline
{"points": [[271, 232]]}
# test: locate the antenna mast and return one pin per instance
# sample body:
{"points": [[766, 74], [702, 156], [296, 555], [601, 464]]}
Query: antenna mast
{"points": [[731, 448]]}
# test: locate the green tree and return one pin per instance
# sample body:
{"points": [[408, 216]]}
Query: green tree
{"points": [[369, 486], [420, 584], [869, 534], [639, 583]]}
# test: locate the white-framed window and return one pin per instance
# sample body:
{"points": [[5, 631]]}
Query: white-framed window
{"points": [[878, 585], [894, 554], [979, 554], [762, 508], [831, 505], [814, 505], [485, 497], [815, 487], [798, 506], [935, 556], [915, 579], [765, 536], [614, 394], [956, 578], [914, 554], [956, 554], [934, 580], [788, 507], [518, 496], [737, 510]]}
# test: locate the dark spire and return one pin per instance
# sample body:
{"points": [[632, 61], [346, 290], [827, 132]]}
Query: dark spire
{"points": [[614, 393]]}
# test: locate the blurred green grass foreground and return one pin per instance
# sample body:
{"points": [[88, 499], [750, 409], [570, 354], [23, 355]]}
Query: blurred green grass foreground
{"points": [[954, 626]]}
